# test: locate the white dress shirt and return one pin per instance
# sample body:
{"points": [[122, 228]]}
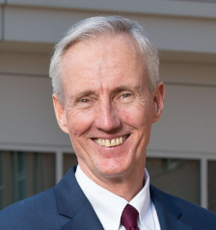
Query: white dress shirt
{"points": [[109, 207]]}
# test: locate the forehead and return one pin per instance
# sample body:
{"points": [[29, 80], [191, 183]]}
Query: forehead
{"points": [[106, 57]]}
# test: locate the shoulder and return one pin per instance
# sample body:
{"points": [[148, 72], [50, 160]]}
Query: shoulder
{"points": [[194, 213], [187, 212], [36, 212]]}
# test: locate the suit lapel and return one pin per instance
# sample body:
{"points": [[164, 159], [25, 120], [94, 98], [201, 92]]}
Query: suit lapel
{"points": [[73, 204], [85, 219], [167, 211]]}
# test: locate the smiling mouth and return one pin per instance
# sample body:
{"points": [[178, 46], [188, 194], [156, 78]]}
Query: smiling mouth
{"points": [[111, 142]]}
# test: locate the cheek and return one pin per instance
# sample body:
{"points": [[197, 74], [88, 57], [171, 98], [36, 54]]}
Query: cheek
{"points": [[78, 123], [125, 114], [134, 115]]}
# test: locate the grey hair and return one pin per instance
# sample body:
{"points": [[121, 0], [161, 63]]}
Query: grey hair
{"points": [[94, 27]]}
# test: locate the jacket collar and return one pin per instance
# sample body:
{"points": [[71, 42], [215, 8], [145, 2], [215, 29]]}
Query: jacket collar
{"points": [[167, 211], [73, 204]]}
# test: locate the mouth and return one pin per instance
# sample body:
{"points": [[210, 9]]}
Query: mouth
{"points": [[111, 142]]}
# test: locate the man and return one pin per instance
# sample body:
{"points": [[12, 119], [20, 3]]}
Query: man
{"points": [[106, 95]]}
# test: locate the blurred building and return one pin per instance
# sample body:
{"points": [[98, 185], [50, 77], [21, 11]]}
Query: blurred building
{"points": [[35, 154]]}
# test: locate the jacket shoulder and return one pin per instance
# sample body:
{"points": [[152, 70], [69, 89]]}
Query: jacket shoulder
{"points": [[187, 212], [37, 212], [192, 213]]}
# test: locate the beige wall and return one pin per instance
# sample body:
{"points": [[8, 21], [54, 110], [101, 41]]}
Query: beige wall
{"points": [[188, 122], [184, 33]]}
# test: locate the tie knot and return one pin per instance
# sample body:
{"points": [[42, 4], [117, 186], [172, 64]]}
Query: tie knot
{"points": [[129, 217]]}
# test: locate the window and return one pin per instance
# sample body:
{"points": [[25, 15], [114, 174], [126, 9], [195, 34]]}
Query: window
{"points": [[19, 176], [191, 176], [179, 177], [1, 182], [23, 174], [69, 160], [212, 186]]}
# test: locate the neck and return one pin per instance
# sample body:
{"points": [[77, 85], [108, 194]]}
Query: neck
{"points": [[126, 189], [125, 186]]}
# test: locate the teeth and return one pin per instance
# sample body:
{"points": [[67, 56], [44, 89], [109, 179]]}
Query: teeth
{"points": [[103, 142], [117, 141], [112, 142], [107, 143]]}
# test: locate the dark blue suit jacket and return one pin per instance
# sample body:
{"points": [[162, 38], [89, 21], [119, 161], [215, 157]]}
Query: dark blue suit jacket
{"points": [[66, 207]]}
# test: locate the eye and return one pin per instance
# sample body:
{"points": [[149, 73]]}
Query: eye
{"points": [[125, 95], [84, 100], [84, 103]]}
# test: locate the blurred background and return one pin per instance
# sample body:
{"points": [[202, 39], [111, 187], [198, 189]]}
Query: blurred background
{"points": [[35, 154]]}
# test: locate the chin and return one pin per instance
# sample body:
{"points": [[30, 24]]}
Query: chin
{"points": [[113, 170]]}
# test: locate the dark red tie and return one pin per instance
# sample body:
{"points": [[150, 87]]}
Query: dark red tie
{"points": [[129, 218]]}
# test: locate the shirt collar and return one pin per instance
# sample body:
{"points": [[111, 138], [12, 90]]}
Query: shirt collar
{"points": [[109, 206], [143, 204]]}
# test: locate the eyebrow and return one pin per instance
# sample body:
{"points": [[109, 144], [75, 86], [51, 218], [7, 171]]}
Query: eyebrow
{"points": [[116, 90], [82, 94], [129, 88]]}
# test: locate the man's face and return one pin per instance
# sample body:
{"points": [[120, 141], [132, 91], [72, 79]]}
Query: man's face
{"points": [[108, 110]]}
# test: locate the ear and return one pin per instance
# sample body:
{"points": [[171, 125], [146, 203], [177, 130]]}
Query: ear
{"points": [[60, 113], [158, 98]]}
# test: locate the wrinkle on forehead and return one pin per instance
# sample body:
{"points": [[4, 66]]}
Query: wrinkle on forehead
{"points": [[110, 52], [104, 58]]}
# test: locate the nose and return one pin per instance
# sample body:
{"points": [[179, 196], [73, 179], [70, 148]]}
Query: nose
{"points": [[107, 117]]}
